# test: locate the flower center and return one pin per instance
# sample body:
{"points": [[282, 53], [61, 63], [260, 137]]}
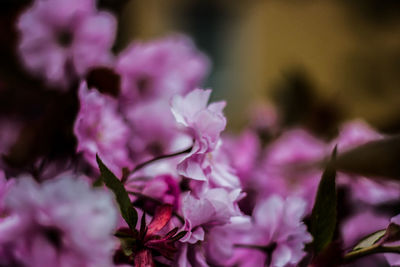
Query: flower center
{"points": [[143, 85], [54, 236], [65, 38]]}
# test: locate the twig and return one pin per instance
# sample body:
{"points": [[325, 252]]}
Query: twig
{"points": [[141, 165]]}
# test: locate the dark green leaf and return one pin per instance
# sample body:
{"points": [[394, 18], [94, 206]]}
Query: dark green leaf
{"points": [[323, 217], [128, 212], [377, 159]]}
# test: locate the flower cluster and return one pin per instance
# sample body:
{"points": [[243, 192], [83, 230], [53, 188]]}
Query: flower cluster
{"points": [[156, 149]]}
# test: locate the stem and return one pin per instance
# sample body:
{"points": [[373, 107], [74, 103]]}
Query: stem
{"points": [[353, 255], [141, 165]]}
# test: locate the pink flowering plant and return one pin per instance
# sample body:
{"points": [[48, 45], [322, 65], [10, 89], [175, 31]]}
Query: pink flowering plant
{"points": [[126, 162]]}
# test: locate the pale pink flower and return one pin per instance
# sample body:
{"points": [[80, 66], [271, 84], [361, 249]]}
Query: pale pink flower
{"points": [[160, 69], [62, 222], [100, 129], [278, 224], [204, 123], [61, 39]]}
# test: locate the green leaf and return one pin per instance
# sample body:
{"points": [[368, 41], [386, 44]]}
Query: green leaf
{"points": [[375, 159], [370, 240], [323, 217], [128, 212]]}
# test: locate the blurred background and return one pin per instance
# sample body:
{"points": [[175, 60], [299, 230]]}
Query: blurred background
{"points": [[319, 62]]}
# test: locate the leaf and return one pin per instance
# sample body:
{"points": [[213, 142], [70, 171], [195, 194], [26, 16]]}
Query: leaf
{"points": [[370, 240], [128, 212], [323, 217], [377, 159]]}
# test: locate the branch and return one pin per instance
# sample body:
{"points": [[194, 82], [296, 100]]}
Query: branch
{"points": [[141, 165]]}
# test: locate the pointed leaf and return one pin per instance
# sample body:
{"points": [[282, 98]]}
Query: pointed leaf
{"points": [[370, 240], [323, 217], [128, 212]]}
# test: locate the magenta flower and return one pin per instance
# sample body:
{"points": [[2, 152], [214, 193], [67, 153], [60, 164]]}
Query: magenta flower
{"points": [[63, 222], [100, 129], [61, 39], [160, 69]]}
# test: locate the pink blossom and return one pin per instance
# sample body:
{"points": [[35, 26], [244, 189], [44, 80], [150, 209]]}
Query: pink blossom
{"points": [[61, 39], [63, 222], [212, 208], [160, 69], [277, 224], [100, 129], [289, 166], [204, 123]]}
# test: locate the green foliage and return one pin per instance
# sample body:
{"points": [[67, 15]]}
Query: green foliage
{"points": [[324, 213], [128, 212]]}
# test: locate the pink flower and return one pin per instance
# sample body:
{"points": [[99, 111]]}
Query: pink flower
{"points": [[204, 123], [61, 39], [277, 225], [63, 222], [288, 167], [160, 69], [212, 208], [100, 129]]}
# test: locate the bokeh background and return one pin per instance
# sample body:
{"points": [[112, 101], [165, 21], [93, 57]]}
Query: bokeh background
{"points": [[319, 62]]}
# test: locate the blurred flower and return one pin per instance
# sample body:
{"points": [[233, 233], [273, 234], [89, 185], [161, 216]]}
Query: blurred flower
{"points": [[63, 222], [288, 168], [361, 225], [61, 39], [160, 69], [100, 129]]}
